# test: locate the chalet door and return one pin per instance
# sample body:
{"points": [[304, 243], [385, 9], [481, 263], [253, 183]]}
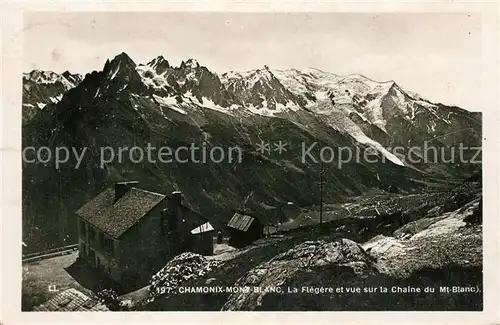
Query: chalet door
{"points": [[92, 255]]}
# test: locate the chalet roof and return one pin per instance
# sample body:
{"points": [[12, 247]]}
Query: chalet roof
{"points": [[115, 218], [241, 221], [71, 300]]}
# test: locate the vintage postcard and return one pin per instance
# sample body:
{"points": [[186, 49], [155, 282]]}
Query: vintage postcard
{"points": [[294, 158]]}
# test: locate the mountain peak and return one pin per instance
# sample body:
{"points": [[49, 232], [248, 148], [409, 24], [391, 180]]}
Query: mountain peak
{"points": [[363, 78], [265, 73], [158, 60], [123, 57], [160, 64], [190, 63], [121, 64]]}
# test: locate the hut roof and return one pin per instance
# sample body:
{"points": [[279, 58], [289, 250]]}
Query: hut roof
{"points": [[241, 221]]}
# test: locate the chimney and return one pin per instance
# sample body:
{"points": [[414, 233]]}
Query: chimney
{"points": [[176, 198], [121, 188], [164, 221], [173, 208]]}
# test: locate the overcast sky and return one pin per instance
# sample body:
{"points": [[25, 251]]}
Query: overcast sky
{"points": [[436, 55]]}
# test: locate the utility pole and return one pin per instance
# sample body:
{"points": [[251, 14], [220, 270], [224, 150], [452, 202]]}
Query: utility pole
{"points": [[246, 201], [321, 183]]}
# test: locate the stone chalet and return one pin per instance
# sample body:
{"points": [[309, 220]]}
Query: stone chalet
{"points": [[128, 233]]}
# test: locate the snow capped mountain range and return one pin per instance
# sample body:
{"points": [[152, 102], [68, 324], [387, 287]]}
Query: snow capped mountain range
{"points": [[264, 91], [45, 87], [48, 77], [270, 92]]}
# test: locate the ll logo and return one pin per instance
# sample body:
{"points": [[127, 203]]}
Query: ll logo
{"points": [[53, 288]]}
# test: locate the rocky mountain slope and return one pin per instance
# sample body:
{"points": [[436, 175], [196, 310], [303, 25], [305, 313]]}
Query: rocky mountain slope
{"points": [[128, 104]]}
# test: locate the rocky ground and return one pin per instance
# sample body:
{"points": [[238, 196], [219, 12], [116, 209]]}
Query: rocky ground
{"points": [[178, 271], [433, 245], [386, 243]]}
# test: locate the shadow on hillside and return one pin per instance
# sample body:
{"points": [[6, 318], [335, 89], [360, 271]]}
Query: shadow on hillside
{"points": [[96, 281]]}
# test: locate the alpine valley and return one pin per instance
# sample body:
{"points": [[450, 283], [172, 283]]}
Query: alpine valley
{"points": [[129, 104]]}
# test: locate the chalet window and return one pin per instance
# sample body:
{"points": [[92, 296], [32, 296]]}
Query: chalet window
{"points": [[82, 229], [109, 246], [92, 233], [106, 243]]}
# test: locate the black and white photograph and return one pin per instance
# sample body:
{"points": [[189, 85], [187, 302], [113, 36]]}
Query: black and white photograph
{"points": [[252, 161]]}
